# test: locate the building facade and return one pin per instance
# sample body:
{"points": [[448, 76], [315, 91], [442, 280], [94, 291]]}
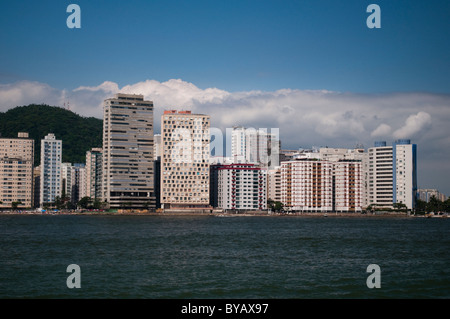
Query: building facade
{"points": [[311, 185], [157, 147], [307, 185], [128, 152], [274, 184], [238, 142], [255, 146], [16, 171], [79, 182], [51, 179], [36, 186], [380, 177], [348, 188], [239, 187], [185, 141], [66, 181], [391, 174], [94, 174], [405, 173], [426, 194]]}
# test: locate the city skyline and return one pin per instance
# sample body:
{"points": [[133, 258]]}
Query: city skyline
{"points": [[312, 69], [333, 179]]}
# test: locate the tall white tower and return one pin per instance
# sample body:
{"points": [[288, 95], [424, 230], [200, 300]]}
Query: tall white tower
{"points": [[51, 156]]}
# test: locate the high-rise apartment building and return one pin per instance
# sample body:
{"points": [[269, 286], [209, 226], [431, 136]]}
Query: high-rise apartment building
{"points": [[16, 171], [380, 177], [274, 184], [238, 142], [392, 175], [66, 180], [51, 179], [157, 169], [79, 182], [426, 194], [239, 187], [307, 185], [74, 184], [36, 186], [255, 146], [311, 185], [128, 152], [405, 173], [94, 173], [348, 188], [349, 177], [185, 141]]}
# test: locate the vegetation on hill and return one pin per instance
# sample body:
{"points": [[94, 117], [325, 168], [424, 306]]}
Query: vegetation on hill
{"points": [[78, 134]]}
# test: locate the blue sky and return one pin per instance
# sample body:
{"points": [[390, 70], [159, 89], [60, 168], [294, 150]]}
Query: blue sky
{"points": [[311, 68], [234, 45]]}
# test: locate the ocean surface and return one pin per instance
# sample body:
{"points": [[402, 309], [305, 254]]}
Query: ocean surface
{"points": [[183, 257]]}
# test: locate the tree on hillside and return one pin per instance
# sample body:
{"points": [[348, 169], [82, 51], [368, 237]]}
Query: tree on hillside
{"points": [[79, 134]]}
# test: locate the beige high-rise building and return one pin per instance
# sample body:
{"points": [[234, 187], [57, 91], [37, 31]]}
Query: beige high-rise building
{"points": [[274, 184], [185, 140], [307, 185], [128, 170], [16, 171], [348, 186]]}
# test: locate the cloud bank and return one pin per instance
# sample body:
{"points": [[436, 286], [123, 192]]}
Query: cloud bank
{"points": [[304, 118]]}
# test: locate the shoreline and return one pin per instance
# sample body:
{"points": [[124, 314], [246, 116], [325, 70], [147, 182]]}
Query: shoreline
{"points": [[219, 214]]}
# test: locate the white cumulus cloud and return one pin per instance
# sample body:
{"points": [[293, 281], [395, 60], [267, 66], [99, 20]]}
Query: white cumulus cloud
{"points": [[383, 130], [28, 92], [415, 124]]}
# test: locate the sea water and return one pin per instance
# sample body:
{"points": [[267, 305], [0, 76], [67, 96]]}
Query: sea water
{"points": [[211, 257]]}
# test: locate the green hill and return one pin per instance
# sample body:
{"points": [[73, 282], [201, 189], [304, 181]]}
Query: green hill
{"points": [[78, 134]]}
